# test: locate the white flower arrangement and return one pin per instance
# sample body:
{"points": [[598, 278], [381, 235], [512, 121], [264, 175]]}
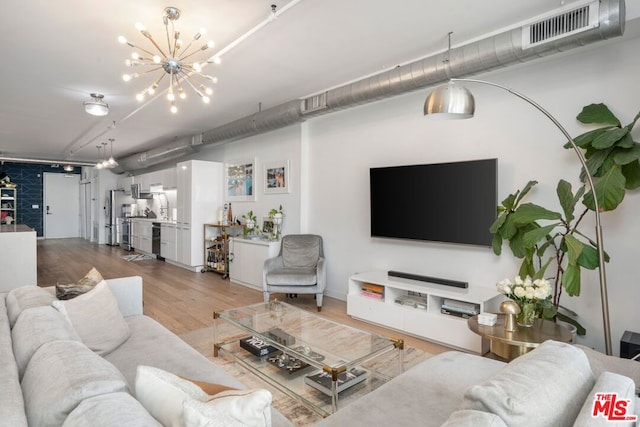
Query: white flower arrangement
{"points": [[536, 291]]}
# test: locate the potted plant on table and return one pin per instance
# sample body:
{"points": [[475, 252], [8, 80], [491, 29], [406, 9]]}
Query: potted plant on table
{"points": [[277, 216], [542, 237], [250, 223]]}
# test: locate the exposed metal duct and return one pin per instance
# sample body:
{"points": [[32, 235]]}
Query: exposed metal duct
{"points": [[569, 28]]}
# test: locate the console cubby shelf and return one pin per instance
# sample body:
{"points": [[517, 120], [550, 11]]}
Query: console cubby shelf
{"points": [[428, 323]]}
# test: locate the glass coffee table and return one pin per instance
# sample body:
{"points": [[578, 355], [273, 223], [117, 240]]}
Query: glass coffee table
{"points": [[312, 359]]}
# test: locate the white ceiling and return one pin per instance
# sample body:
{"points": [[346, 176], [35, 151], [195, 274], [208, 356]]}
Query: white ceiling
{"points": [[57, 53]]}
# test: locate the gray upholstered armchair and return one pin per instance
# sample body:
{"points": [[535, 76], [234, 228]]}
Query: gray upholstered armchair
{"points": [[298, 269]]}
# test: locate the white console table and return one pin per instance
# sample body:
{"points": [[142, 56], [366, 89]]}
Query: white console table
{"points": [[248, 257], [427, 323]]}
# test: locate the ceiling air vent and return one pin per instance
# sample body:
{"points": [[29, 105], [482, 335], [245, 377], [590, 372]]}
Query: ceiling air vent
{"points": [[560, 25], [314, 103]]}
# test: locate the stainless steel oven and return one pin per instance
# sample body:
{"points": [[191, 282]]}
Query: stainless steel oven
{"points": [[125, 241]]}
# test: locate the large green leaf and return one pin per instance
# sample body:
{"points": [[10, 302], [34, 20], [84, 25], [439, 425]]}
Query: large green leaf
{"points": [[499, 222], [567, 199], [626, 141], [520, 195], [518, 248], [609, 138], [509, 228], [609, 189], [531, 238], [496, 244], [624, 156], [584, 140], [631, 174], [598, 113], [574, 248], [588, 258], [594, 162], [529, 212], [571, 280], [510, 201]]}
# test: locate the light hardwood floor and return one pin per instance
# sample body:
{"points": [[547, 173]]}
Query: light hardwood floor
{"points": [[181, 300]]}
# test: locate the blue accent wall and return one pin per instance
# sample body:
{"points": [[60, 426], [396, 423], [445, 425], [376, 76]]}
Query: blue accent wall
{"points": [[29, 179]]}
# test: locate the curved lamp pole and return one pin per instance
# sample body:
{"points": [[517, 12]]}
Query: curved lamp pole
{"points": [[454, 101]]}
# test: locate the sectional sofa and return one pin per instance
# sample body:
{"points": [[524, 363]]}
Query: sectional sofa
{"points": [[51, 374]]}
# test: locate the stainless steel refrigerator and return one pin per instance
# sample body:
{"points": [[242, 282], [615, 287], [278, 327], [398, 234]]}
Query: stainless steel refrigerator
{"points": [[111, 215]]}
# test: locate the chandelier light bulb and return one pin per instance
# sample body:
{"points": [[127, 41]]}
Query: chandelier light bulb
{"points": [[205, 99], [174, 109], [171, 96], [156, 59], [128, 62], [122, 39], [140, 97], [182, 94], [197, 67], [140, 26], [126, 77], [210, 44]]}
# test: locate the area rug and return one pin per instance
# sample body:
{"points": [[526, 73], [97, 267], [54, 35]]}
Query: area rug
{"points": [[297, 413], [137, 257]]}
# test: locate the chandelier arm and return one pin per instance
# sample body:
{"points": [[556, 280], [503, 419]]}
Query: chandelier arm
{"points": [[592, 189], [182, 58], [187, 78], [184, 51], [145, 50], [156, 45]]}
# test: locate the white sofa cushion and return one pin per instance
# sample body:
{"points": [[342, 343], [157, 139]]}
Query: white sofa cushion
{"points": [[35, 327], [22, 298], [164, 395], [96, 318], [608, 383], [545, 387], [109, 410], [60, 375]]}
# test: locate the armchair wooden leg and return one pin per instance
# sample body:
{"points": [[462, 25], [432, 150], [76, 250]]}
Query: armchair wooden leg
{"points": [[319, 309]]}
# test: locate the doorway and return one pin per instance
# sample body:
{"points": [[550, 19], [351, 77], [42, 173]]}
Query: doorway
{"points": [[61, 205]]}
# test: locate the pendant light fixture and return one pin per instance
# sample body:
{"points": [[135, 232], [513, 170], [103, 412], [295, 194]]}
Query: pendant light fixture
{"points": [[96, 107]]}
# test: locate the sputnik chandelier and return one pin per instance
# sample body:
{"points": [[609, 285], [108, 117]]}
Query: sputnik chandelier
{"points": [[172, 62]]}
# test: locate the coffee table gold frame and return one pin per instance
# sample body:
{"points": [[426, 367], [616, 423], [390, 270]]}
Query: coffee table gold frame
{"points": [[509, 345]]}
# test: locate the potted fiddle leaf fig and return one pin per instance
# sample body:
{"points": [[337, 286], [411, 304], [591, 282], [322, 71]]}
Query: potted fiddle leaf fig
{"points": [[542, 238]]}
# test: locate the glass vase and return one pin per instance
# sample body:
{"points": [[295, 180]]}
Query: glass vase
{"points": [[527, 314]]}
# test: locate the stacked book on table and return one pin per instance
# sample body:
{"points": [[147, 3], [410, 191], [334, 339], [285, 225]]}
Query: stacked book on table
{"points": [[372, 291]]}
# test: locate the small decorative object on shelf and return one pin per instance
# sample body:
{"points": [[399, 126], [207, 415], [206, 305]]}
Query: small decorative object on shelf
{"points": [[487, 319], [531, 295], [322, 380], [229, 215], [257, 346], [277, 215], [284, 361]]}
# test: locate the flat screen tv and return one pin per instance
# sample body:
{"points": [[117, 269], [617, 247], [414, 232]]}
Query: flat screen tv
{"points": [[443, 202]]}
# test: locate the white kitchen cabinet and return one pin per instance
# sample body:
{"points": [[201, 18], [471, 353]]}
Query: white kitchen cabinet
{"points": [[198, 199], [169, 178], [146, 237], [248, 258], [168, 242]]}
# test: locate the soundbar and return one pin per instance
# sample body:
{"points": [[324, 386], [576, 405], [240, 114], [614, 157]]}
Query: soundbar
{"points": [[447, 282]]}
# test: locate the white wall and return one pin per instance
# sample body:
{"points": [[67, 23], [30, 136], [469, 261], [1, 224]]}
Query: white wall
{"points": [[335, 152], [279, 145], [346, 144]]}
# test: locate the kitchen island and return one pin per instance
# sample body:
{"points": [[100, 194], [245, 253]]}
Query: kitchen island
{"points": [[18, 257]]}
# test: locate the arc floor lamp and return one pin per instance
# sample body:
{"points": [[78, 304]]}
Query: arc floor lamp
{"points": [[454, 101]]}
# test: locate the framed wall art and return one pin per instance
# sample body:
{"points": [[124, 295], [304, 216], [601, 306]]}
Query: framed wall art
{"points": [[276, 177], [240, 181]]}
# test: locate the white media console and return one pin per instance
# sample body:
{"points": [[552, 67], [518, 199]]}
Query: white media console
{"points": [[425, 320]]}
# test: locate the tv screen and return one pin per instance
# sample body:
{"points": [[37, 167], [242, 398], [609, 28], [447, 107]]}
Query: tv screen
{"points": [[444, 202]]}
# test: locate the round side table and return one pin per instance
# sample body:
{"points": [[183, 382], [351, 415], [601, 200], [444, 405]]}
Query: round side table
{"points": [[509, 345]]}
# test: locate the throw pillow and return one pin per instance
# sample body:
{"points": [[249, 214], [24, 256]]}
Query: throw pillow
{"points": [[176, 402], [607, 383], [22, 298], [60, 375], [35, 327], [96, 318], [545, 387], [84, 285]]}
